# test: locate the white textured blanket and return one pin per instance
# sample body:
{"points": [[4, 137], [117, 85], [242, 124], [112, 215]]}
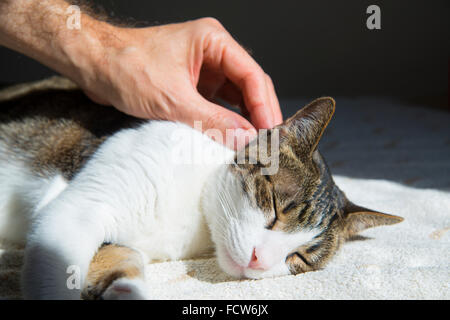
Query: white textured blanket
{"points": [[385, 156]]}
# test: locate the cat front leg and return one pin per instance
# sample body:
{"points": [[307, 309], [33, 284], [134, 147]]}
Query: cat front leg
{"points": [[61, 243], [116, 273]]}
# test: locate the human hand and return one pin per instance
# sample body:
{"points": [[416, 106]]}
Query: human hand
{"points": [[172, 72], [177, 72]]}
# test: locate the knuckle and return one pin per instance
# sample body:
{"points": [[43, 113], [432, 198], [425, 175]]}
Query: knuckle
{"points": [[269, 79], [210, 28], [212, 121], [212, 22]]}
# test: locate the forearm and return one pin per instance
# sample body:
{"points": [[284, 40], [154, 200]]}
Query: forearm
{"points": [[39, 29]]}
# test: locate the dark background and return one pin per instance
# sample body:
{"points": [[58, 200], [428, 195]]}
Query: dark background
{"points": [[312, 48]]}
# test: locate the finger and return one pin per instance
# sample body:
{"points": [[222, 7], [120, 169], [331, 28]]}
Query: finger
{"points": [[278, 116], [243, 71], [222, 125], [254, 91], [270, 106]]}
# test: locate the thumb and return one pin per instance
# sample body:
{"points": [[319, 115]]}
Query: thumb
{"points": [[222, 125]]}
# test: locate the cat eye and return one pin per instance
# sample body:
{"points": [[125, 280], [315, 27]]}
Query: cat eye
{"points": [[274, 204], [289, 207]]}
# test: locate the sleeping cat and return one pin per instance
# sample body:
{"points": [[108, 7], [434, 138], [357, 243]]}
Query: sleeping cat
{"points": [[95, 195]]}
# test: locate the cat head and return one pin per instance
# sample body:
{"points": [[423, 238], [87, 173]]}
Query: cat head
{"points": [[292, 220]]}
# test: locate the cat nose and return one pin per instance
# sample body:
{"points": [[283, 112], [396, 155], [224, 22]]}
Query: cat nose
{"points": [[257, 261]]}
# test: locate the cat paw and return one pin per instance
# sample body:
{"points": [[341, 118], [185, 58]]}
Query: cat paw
{"points": [[126, 289]]}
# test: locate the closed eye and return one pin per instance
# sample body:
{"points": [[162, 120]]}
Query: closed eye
{"points": [[274, 204], [289, 207]]}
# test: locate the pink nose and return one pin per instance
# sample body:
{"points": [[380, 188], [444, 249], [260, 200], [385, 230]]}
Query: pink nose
{"points": [[257, 262]]}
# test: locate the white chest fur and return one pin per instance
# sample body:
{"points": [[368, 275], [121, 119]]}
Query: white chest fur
{"points": [[155, 176]]}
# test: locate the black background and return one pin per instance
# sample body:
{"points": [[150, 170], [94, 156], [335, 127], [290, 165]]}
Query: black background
{"points": [[311, 48]]}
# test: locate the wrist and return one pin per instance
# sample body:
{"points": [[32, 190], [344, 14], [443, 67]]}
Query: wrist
{"points": [[84, 51], [42, 30]]}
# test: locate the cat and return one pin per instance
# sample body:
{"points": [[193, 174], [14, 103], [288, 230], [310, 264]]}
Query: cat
{"points": [[91, 190]]}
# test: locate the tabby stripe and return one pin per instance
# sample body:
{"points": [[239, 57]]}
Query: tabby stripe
{"points": [[320, 189], [275, 210], [326, 215], [324, 182], [304, 210], [314, 247], [311, 216], [302, 258], [334, 217]]}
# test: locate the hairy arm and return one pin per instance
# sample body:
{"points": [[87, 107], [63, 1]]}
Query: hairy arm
{"points": [[39, 29], [174, 72]]}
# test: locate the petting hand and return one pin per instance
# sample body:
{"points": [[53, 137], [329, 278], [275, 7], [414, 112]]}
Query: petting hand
{"points": [[178, 71], [172, 72]]}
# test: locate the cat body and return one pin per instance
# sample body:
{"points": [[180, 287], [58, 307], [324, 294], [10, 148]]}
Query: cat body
{"points": [[131, 174], [131, 185], [75, 175]]}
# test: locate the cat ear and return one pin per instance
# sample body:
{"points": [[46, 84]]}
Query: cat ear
{"points": [[357, 219], [309, 123]]}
